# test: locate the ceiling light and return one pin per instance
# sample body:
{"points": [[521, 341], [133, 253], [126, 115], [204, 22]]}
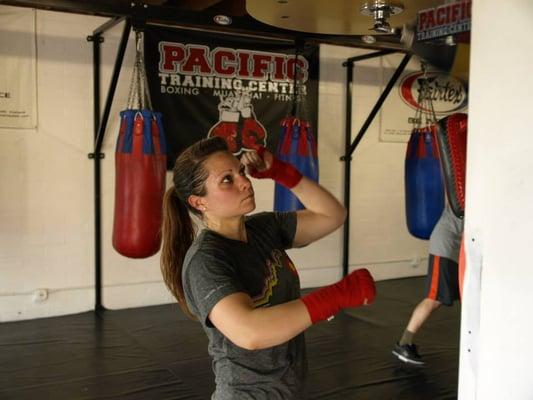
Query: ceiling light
{"points": [[368, 39], [449, 40], [222, 19], [380, 11]]}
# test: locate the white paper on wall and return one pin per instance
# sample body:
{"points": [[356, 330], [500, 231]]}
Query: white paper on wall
{"points": [[18, 105], [397, 116]]}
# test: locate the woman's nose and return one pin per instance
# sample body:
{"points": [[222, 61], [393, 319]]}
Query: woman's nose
{"points": [[244, 182]]}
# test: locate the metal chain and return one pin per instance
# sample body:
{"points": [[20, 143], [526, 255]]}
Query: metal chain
{"points": [[417, 122], [142, 72], [428, 95], [138, 95], [132, 90]]}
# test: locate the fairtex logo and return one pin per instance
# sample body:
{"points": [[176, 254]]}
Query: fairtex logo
{"points": [[447, 93]]}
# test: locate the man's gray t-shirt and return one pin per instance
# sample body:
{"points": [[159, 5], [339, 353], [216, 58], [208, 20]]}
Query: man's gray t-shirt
{"points": [[215, 267], [445, 239]]}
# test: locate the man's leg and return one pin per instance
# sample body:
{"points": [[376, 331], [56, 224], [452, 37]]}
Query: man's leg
{"points": [[405, 349], [420, 314], [441, 288]]}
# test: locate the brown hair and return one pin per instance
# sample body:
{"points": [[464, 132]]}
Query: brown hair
{"points": [[177, 231]]}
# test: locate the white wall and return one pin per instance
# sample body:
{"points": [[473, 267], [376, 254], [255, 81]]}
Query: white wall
{"points": [[496, 325], [46, 195], [46, 222]]}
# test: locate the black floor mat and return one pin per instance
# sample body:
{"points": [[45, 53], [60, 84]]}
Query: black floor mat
{"points": [[157, 353]]}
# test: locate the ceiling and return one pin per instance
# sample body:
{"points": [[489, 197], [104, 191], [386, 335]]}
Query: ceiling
{"points": [[325, 21]]}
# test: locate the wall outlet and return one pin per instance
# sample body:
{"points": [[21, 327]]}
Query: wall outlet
{"points": [[40, 295]]}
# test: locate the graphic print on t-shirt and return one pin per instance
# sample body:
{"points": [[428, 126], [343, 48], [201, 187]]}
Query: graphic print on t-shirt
{"points": [[278, 262]]}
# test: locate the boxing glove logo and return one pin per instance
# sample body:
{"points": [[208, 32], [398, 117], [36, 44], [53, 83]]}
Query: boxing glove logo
{"points": [[238, 124]]}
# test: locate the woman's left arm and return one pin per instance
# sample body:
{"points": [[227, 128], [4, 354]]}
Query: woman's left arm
{"points": [[323, 213]]}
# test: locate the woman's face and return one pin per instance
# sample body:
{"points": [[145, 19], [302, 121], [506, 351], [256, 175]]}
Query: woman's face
{"points": [[229, 191]]}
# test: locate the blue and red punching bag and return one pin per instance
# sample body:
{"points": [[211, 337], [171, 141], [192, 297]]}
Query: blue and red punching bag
{"points": [[297, 146], [424, 186], [140, 169]]}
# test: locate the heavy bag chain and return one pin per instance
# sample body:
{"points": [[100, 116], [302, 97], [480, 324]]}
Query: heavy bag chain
{"points": [[139, 93], [425, 103]]}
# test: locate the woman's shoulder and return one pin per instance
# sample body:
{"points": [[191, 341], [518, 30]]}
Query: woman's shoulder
{"points": [[269, 217], [206, 245], [276, 225], [207, 242], [257, 218]]}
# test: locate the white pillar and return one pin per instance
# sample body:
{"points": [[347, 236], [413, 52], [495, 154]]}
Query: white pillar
{"points": [[497, 321]]}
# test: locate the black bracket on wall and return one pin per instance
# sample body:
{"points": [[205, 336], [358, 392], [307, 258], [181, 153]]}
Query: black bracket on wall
{"points": [[100, 124], [351, 146]]}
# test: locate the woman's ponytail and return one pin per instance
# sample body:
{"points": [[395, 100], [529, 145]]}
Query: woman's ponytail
{"points": [[177, 231], [178, 234]]}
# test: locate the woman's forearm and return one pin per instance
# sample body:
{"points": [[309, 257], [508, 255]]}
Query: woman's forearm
{"points": [[259, 328], [276, 325], [323, 213], [317, 199]]}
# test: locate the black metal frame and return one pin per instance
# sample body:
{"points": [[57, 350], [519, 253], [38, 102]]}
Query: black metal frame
{"points": [[351, 146], [100, 123], [137, 20], [137, 14], [203, 19], [100, 126]]}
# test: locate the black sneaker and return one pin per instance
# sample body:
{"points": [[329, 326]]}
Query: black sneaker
{"points": [[408, 354]]}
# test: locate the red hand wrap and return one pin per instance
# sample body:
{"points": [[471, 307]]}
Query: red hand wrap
{"points": [[351, 291], [282, 172]]}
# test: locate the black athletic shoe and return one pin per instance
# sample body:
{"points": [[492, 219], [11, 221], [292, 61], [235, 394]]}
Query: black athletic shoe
{"points": [[408, 354]]}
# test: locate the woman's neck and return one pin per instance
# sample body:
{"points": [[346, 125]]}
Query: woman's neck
{"points": [[230, 228]]}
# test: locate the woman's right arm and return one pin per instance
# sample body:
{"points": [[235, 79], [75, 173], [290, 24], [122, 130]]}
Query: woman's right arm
{"points": [[263, 327], [258, 328]]}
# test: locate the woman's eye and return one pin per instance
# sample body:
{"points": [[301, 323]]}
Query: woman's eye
{"points": [[242, 171], [227, 179]]}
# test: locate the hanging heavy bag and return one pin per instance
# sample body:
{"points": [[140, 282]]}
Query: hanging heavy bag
{"points": [[140, 169], [424, 188], [297, 146], [451, 139]]}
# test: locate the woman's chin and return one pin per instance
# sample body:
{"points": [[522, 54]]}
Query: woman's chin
{"points": [[251, 207]]}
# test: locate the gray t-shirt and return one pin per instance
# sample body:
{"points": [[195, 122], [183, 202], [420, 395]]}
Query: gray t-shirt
{"points": [[445, 239], [215, 267]]}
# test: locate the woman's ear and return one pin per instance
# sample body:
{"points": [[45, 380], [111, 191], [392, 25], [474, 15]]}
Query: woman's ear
{"points": [[197, 202]]}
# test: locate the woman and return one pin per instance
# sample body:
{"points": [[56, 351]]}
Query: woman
{"points": [[236, 278]]}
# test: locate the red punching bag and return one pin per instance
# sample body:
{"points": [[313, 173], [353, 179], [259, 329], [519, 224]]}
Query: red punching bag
{"points": [[451, 138], [140, 164]]}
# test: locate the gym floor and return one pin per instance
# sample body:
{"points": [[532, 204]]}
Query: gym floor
{"points": [[157, 353]]}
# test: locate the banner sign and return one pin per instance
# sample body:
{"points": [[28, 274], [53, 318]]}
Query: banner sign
{"points": [[448, 95], [448, 19], [222, 85]]}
